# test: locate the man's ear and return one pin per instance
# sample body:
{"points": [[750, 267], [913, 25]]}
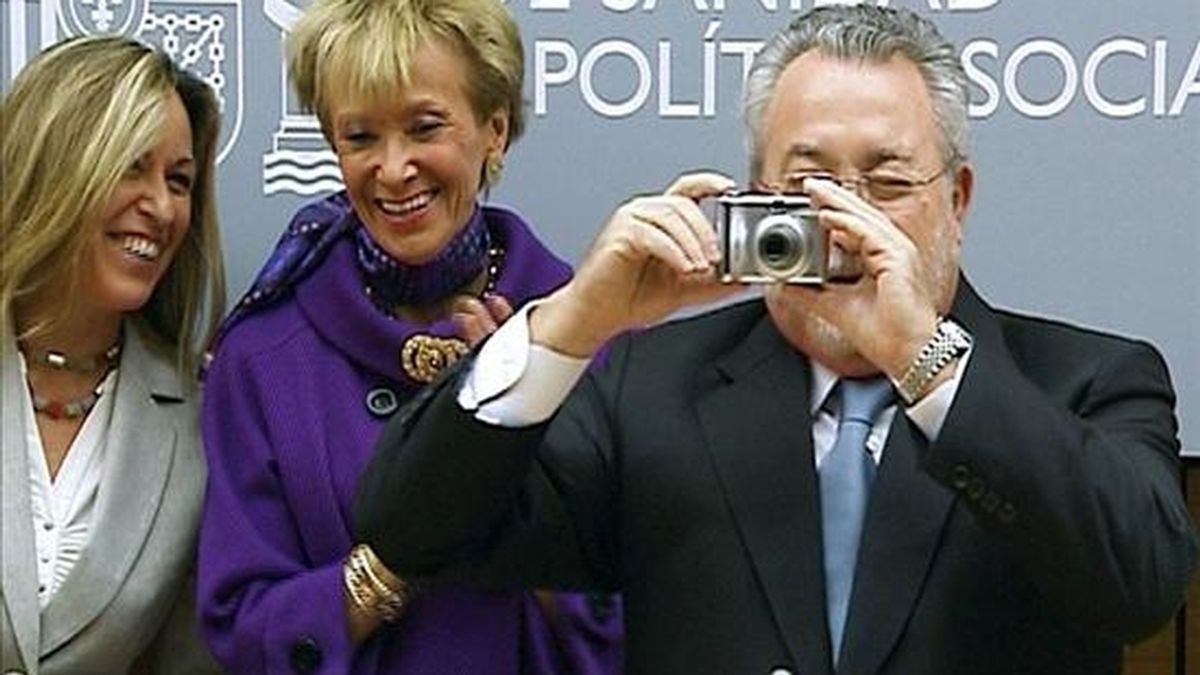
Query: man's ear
{"points": [[962, 190]]}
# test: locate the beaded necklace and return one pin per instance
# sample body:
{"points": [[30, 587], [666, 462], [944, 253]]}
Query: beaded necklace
{"points": [[70, 408], [80, 406], [75, 364]]}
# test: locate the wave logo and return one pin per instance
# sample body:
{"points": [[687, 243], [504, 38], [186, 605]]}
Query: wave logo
{"points": [[299, 161]]}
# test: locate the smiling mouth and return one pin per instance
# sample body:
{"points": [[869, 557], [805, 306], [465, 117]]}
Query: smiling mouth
{"points": [[406, 207], [140, 247]]}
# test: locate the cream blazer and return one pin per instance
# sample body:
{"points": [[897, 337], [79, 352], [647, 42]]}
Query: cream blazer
{"points": [[131, 594]]}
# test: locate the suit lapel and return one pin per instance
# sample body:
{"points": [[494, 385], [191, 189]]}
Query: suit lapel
{"points": [[19, 570], [758, 431], [978, 317], [905, 522], [140, 451], [759, 437]]}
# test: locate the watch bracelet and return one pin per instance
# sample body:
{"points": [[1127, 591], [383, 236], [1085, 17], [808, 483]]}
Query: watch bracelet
{"points": [[948, 342]]}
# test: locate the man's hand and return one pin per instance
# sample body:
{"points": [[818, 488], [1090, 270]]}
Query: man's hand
{"points": [[891, 310], [655, 255]]}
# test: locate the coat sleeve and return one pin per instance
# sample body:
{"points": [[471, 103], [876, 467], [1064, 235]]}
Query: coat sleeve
{"points": [[535, 511], [1075, 469], [265, 606]]}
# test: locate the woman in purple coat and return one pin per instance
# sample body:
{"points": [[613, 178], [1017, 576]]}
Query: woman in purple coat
{"points": [[369, 294]]}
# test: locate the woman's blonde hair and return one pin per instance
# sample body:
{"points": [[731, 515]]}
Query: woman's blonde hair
{"points": [[366, 47], [77, 117]]}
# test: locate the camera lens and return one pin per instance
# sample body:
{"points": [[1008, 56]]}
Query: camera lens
{"points": [[780, 245], [778, 248]]}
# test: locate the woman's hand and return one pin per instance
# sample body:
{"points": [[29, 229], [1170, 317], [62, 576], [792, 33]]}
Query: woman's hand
{"points": [[476, 318]]}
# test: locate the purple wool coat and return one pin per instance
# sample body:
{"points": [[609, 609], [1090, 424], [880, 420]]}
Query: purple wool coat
{"points": [[292, 408]]}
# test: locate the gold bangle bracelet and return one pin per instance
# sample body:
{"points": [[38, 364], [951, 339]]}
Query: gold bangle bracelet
{"points": [[375, 569], [363, 574], [365, 596], [384, 594], [354, 585]]}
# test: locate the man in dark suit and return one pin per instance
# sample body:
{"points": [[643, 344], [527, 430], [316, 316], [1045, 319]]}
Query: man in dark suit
{"points": [[1013, 509]]}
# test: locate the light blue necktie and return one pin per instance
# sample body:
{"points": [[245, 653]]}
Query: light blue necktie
{"points": [[845, 478]]}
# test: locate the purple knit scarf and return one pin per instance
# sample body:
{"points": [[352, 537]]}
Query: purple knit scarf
{"points": [[392, 283]]}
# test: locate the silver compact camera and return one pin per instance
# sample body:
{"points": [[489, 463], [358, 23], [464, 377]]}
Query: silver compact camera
{"points": [[770, 237]]}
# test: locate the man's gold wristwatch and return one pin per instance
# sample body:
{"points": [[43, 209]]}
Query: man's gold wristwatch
{"points": [[949, 342]]}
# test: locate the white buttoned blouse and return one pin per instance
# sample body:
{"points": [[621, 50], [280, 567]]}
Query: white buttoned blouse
{"points": [[63, 508]]}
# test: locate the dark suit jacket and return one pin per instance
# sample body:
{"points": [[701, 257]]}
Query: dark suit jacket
{"points": [[1043, 528]]}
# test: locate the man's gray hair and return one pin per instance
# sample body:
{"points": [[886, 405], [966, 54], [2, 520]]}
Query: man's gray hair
{"points": [[870, 33]]}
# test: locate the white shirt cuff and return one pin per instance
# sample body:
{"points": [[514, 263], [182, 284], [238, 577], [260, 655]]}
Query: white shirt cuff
{"points": [[929, 414], [515, 383]]}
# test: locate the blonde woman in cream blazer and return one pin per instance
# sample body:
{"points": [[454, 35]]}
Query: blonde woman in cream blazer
{"points": [[110, 280]]}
